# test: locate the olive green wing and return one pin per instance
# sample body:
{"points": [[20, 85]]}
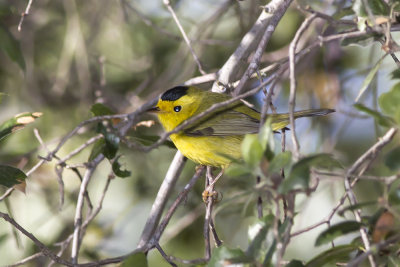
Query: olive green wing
{"points": [[226, 123]]}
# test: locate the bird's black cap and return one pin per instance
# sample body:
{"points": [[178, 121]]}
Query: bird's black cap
{"points": [[174, 93]]}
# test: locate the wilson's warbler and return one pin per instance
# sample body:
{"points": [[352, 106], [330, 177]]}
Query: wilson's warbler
{"points": [[215, 139]]}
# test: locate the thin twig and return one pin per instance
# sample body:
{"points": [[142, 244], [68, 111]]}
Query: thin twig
{"points": [[374, 249], [7, 193], [89, 121], [371, 152], [45, 250], [24, 14], [163, 224], [292, 97], [173, 173], [217, 240], [210, 77], [80, 148], [165, 256], [27, 259], [328, 18], [39, 138], [207, 217], [64, 244], [59, 170], [364, 161], [79, 205], [167, 3], [181, 223]]}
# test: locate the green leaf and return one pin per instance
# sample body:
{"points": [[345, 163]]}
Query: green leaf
{"points": [[389, 102], [112, 145], [97, 149], [333, 255], [116, 167], [377, 7], [280, 161], [270, 253], [17, 123], [255, 246], [223, 256], [356, 206], [235, 170], [300, 173], [394, 193], [392, 159], [108, 146], [396, 73], [369, 78], [100, 109], [11, 47], [3, 238], [148, 140], [266, 134], [381, 119], [10, 176], [295, 263], [362, 41], [252, 150], [138, 260], [337, 230], [343, 12]]}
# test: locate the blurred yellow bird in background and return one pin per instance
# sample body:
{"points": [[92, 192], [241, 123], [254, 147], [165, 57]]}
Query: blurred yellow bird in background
{"points": [[215, 139]]}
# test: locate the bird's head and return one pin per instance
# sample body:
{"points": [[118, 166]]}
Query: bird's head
{"points": [[177, 105]]}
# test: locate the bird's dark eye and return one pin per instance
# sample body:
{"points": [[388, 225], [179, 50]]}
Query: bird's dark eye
{"points": [[177, 108]]}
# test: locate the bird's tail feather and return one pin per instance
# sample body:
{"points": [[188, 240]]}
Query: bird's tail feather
{"points": [[281, 120]]}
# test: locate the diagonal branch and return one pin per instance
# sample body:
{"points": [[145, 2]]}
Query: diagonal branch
{"points": [[233, 67], [173, 173], [167, 3], [275, 11], [45, 250]]}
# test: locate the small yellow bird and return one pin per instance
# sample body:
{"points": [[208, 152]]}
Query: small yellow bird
{"points": [[215, 139]]}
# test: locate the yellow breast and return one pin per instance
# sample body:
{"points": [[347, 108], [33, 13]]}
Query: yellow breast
{"points": [[205, 150]]}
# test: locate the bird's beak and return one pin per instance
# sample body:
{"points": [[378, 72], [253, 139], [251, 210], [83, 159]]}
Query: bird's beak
{"points": [[154, 110]]}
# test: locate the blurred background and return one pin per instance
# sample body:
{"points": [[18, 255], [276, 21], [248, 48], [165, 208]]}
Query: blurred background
{"points": [[72, 54]]}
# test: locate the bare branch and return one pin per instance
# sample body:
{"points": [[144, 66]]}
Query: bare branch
{"points": [[45, 250], [165, 256], [374, 249], [174, 206], [292, 98], [27, 259], [276, 11], [196, 58], [79, 205], [24, 14], [233, 67], [367, 157], [173, 173], [79, 149], [352, 172], [7, 193]]}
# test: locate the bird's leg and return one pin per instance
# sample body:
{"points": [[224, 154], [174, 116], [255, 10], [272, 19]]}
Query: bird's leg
{"points": [[209, 199], [207, 219], [210, 182]]}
